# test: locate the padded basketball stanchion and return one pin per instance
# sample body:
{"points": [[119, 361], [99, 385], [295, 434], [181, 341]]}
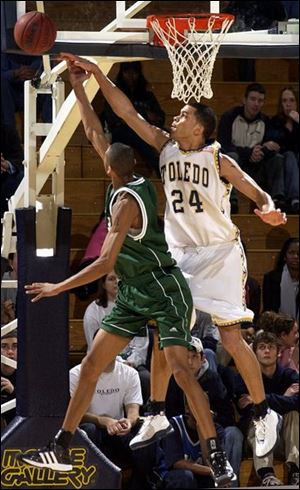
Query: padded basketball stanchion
{"points": [[43, 372]]}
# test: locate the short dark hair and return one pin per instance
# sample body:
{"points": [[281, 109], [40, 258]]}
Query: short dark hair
{"points": [[121, 159], [284, 250], [255, 87], [205, 116], [10, 335], [266, 338], [283, 324], [266, 321]]}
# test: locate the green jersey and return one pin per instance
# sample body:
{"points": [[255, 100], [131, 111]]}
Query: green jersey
{"points": [[145, 250]]}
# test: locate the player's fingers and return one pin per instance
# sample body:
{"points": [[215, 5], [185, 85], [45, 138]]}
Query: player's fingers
{"points": [[37, 298], [67, 56], [33, 288]]}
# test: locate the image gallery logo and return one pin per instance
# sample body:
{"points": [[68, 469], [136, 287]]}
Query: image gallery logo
{"points": [[15, 473]]}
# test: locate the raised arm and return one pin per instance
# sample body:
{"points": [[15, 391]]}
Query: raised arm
{"points": [[91, 123], [120, 104], [231, 171], [124, 214]]}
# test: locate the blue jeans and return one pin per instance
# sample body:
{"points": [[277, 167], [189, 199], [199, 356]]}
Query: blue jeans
{"points": [[233, 445], [187, 479], [291, 175]]}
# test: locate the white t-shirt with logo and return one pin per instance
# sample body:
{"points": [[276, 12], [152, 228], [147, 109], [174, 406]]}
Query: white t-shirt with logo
{"points": [[114, 390]]}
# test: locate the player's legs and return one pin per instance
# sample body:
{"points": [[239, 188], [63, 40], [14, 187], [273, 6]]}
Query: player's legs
{"points": [[213, 452], [160, 372], [176, 356], [266, 422], [245, 360], [106, 346]]}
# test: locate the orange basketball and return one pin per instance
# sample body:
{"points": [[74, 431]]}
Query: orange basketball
{"points": [[35, 32]]}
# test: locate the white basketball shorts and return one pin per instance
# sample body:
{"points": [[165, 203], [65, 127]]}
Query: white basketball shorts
{"points": [[217, 277]]}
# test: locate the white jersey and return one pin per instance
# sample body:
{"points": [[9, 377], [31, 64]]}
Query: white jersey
{"points": [[198, 207]]}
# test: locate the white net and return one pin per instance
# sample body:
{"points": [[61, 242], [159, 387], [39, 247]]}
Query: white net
{"points": [[192, 55]]}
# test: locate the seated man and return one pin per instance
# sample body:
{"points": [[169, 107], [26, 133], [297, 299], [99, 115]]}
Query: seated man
{"points": [[282, 390], [180, 460], [243, 134], [219, 387], [9, 344], [112, 418]]}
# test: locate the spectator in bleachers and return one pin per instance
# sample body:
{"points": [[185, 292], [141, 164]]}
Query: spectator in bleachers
{"points": [[9, 295], [112, 418], [135, 353], [286, 330], [102, 306], [11, 163], [132, 82], [181, 461], [282, 390], [284, 130], [15, 70], [9, 345], [219, 387], [281, 285], [92, 252], [205, 330], [266, 321], [243, 134], [286, 122]]}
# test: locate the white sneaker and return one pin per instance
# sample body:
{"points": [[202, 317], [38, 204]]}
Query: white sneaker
{"points": [[266, 433], [154, 428]]}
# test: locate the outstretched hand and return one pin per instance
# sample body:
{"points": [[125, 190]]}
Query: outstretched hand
{"points": [[271, 216], [42, 290], [76, 74], [86, 65]]}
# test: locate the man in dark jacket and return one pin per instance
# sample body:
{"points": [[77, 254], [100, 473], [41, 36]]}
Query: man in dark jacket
{"points": [[9, 344], [282, 390], [243, 135]]}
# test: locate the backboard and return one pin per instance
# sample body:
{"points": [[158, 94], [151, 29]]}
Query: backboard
{"points": [[127, 36]]}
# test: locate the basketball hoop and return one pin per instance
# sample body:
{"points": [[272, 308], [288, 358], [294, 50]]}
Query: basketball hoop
{"points": [[192, 42]]}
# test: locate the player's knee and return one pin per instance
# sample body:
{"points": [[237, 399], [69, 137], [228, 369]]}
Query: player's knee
{"points": [[232, 340], [88, 369], [182, 375]]}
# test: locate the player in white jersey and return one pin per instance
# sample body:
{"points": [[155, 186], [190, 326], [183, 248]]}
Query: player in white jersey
{"points": [[196, 179], [201, 236]]}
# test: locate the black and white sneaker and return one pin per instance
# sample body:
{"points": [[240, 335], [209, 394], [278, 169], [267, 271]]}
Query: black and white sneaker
{"points": [[270, 480], [222, 472], [53, 456]]}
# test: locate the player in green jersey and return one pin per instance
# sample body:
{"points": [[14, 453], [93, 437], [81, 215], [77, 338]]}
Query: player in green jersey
{"points": [[151, 287]]}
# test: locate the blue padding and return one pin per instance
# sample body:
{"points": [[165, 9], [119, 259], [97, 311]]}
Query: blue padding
{"points": [[91, 468], [42, 374]]}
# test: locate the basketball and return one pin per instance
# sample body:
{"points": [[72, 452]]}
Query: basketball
{"points": [[35, 32]]}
